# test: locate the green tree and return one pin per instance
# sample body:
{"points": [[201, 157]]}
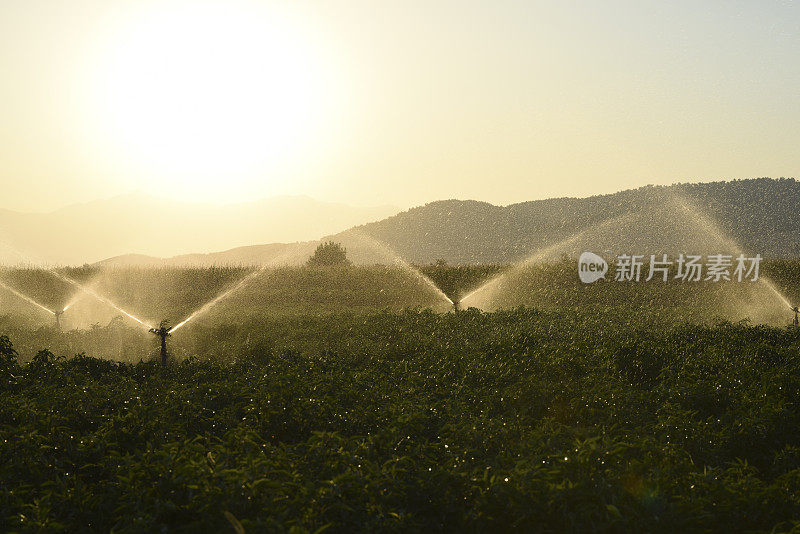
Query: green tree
{"points": [[8, 360], [329, 254]]}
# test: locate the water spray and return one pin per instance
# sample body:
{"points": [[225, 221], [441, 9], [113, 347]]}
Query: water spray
{"points": [[542, 254], [219, 298], [27, 299], [399, 261], [710, 226], [248, 278], [162, 331], [75, 284], [59, 313], [102, 299], [56, 313]]}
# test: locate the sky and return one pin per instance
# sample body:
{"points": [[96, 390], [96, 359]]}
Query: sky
{"points": [[391, 102]]}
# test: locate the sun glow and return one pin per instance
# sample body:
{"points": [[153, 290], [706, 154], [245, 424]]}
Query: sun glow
{"points": [[213, 95]]}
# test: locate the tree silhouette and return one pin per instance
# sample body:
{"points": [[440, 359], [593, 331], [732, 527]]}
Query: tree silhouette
{"points": [[329, 254], [8, 358]]}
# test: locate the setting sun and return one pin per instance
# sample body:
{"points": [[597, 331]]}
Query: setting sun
{"points": [[210, 94]]}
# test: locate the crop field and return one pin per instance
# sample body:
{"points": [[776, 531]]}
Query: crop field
{"points": [[399, 267], [354, 399]]}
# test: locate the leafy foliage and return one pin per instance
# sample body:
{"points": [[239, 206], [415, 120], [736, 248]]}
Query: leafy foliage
{"points": [[329, 254], [519, 420], [8, 360]]}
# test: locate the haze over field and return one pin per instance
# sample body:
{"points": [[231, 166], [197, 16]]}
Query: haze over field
{"points": [[143, 224]]}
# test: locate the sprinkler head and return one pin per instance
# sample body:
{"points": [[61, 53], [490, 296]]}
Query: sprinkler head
{"points": [[58, 314], [457, 305], [162, 330]]}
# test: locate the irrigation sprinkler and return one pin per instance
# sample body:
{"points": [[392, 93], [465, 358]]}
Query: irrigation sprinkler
{"points": [[58, 314], [162, 331], [796, 321], [75, 284], [456, 306]]}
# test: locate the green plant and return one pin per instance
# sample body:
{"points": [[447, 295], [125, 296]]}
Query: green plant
{"points": [[329, 254]]}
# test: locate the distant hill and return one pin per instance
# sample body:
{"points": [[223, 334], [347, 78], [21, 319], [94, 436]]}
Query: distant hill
{"points": [[761, 215], [144, 225], [269, 254]]}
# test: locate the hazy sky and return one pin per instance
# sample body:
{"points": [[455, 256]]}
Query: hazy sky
{"points": [[391, 102]]}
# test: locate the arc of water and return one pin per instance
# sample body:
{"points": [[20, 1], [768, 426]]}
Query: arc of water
{"points": [[712, 227], [27, 298], [74, 300], [705, 221], [397, 259], [239, 285], [543, 253], [80, 287], [69, 304], [222, 296], [97, 296], [25, 258], [244, 281]]}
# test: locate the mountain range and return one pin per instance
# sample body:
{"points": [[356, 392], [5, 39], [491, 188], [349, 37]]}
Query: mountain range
{"points": [[758, 215]]}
